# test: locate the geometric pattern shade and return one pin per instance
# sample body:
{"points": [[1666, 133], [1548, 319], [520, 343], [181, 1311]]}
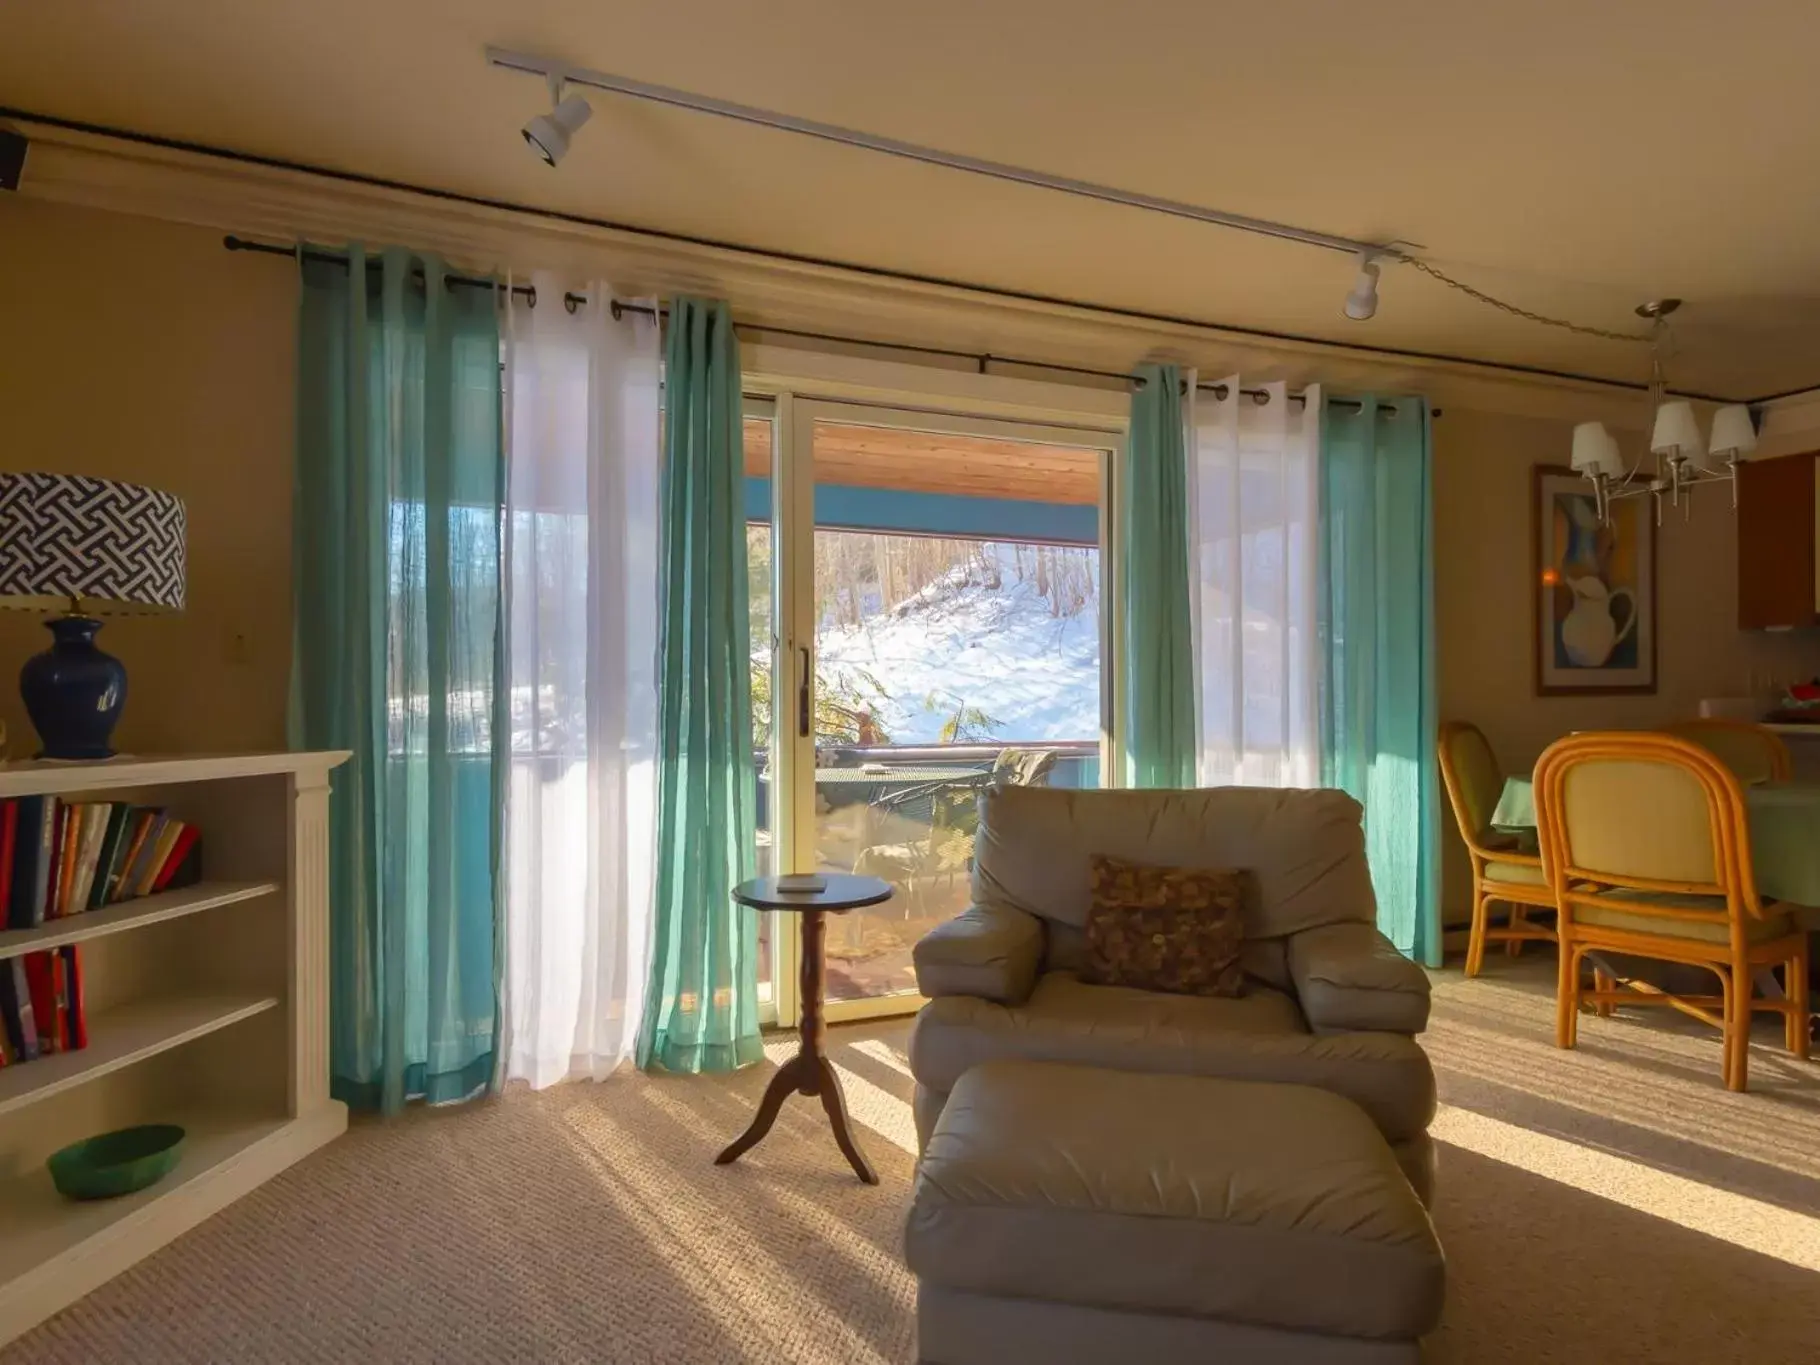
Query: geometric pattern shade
{"points": [[117, 547]]}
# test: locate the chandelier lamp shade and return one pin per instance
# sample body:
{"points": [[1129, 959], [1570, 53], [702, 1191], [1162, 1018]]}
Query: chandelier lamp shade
{"points": [[1682, 458], [82, 548]]}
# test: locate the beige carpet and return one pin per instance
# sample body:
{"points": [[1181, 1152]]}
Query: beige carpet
{"points": [[1610, 1204]]}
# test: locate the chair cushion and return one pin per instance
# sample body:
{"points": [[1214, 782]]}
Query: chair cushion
{"points": [[1173, 929], [1268, 1204], [1774, 924], [1524, 874], [1260, 1036]]}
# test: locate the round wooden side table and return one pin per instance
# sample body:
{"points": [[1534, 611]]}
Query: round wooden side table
{"points": [[809, 1072]]}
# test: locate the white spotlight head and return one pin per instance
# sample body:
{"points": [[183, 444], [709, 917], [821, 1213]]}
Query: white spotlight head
{"points": [[548, 134], [1362, 302]]}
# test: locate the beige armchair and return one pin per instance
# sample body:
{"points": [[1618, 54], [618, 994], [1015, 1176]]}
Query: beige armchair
{"points": [[1329, 1002]]}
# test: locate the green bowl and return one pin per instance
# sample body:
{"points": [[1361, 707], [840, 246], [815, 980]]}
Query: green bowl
{"points": [[117, 1163]]}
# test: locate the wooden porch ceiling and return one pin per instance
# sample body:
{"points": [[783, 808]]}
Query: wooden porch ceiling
{"points": [[931, 462]]}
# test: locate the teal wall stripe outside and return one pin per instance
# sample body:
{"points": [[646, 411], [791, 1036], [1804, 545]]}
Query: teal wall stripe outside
{"points": [[848, 507]]}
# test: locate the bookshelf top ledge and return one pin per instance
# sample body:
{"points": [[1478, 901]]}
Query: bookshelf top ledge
{"points": [[36, 777]]}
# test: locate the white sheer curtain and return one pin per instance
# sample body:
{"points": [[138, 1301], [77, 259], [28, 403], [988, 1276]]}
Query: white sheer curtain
{"points": [[582, 470], [1254, 523]]}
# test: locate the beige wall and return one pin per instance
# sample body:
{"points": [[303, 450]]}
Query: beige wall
{"points": [[1483, 572], [139, 350]]}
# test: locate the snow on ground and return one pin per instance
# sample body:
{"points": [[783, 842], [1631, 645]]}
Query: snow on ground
{"points": [[961, 642]]}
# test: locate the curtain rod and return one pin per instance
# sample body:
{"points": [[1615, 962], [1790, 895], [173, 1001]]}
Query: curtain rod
{"points": [[985, 358], [524, 291], [620, 308]]}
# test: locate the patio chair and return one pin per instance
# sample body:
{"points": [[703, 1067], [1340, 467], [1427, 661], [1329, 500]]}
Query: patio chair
{"points": [[949, 810]]}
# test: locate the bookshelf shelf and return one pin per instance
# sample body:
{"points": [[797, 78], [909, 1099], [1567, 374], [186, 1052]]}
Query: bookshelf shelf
{"points": [[133, 914], [124, 1035], [49, 1241], [157, 976]]}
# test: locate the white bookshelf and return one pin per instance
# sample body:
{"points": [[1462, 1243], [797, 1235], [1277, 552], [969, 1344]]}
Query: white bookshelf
{"points": [[123, 1035], [130, 915], [206, 1007]]}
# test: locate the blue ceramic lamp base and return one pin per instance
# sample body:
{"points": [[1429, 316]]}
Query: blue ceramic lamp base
{"points": [[74, 691]]}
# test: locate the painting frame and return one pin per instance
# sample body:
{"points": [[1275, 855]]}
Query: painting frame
{"points": [[1555, 675]]}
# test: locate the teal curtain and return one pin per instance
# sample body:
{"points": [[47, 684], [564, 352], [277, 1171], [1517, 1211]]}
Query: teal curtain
{"points": [[398, 656], [1377, 625], [701, 1008], [1152, 501]]}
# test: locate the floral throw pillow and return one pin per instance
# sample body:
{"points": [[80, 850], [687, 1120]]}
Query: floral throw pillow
{"points": [[1173, 929]]}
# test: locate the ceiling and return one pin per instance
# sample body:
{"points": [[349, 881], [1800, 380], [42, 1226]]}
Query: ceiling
{"points": [[1573, 158]]}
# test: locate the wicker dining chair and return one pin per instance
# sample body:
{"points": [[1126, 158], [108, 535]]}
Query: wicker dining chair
{"points": [[1501, 871], [1754, 753], [1647, 849]]}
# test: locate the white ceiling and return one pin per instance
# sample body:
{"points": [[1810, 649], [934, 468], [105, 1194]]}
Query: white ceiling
{"points": [[1574, 156]]}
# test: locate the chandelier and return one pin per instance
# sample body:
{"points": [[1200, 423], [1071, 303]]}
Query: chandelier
{"points": [[1681, 461]]}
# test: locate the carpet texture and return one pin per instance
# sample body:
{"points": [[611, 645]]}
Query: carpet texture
{"points": [[1608, 1204]]}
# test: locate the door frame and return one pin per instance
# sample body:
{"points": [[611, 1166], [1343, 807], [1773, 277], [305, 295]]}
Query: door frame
{"points": [[794, 416]]}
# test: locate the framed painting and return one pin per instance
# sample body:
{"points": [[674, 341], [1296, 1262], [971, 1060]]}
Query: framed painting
{"points": [[1595, 590]]}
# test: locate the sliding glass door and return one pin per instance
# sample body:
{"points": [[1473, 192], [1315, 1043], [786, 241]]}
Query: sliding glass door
{"points": [[936, 626]]}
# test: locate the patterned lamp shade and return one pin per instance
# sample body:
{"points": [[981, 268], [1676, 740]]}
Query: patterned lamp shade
{"points": [[114, 547]]}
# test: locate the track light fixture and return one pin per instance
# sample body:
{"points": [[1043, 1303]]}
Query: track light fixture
{"points": [[1362, 302], [548, 134]]}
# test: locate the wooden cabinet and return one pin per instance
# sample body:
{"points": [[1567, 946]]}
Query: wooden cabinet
{"points": [[1777, 521]]}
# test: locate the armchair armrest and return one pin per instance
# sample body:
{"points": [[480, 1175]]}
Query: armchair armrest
{"points": [[1351, 979], [990, 951]]}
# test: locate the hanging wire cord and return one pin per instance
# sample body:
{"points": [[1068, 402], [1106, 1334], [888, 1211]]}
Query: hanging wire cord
{"points": [[1479, 295]]}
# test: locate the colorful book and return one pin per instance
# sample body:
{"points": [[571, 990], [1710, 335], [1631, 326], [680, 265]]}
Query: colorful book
{"points": [[66, 862], [9, 828], [135, 840], [27, 829], [41, 983], [47, 855], [167, 878], [76, 1012], [104, 819], [60, 983], [148, 846], [59, 822], [16, 1009], [88, 853], [161, 852], [111, 838]]}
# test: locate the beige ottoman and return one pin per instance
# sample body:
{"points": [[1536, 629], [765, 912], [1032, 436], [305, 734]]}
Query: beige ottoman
{"points": [[1076, 1216]]}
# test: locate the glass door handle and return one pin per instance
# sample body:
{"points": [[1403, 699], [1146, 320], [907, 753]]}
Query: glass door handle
{"points": [[802, 695]]}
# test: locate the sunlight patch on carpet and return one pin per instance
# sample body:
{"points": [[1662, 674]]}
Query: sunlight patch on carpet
{"points": [[1744, 1222], [883, 1053], [879, 1110]]}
